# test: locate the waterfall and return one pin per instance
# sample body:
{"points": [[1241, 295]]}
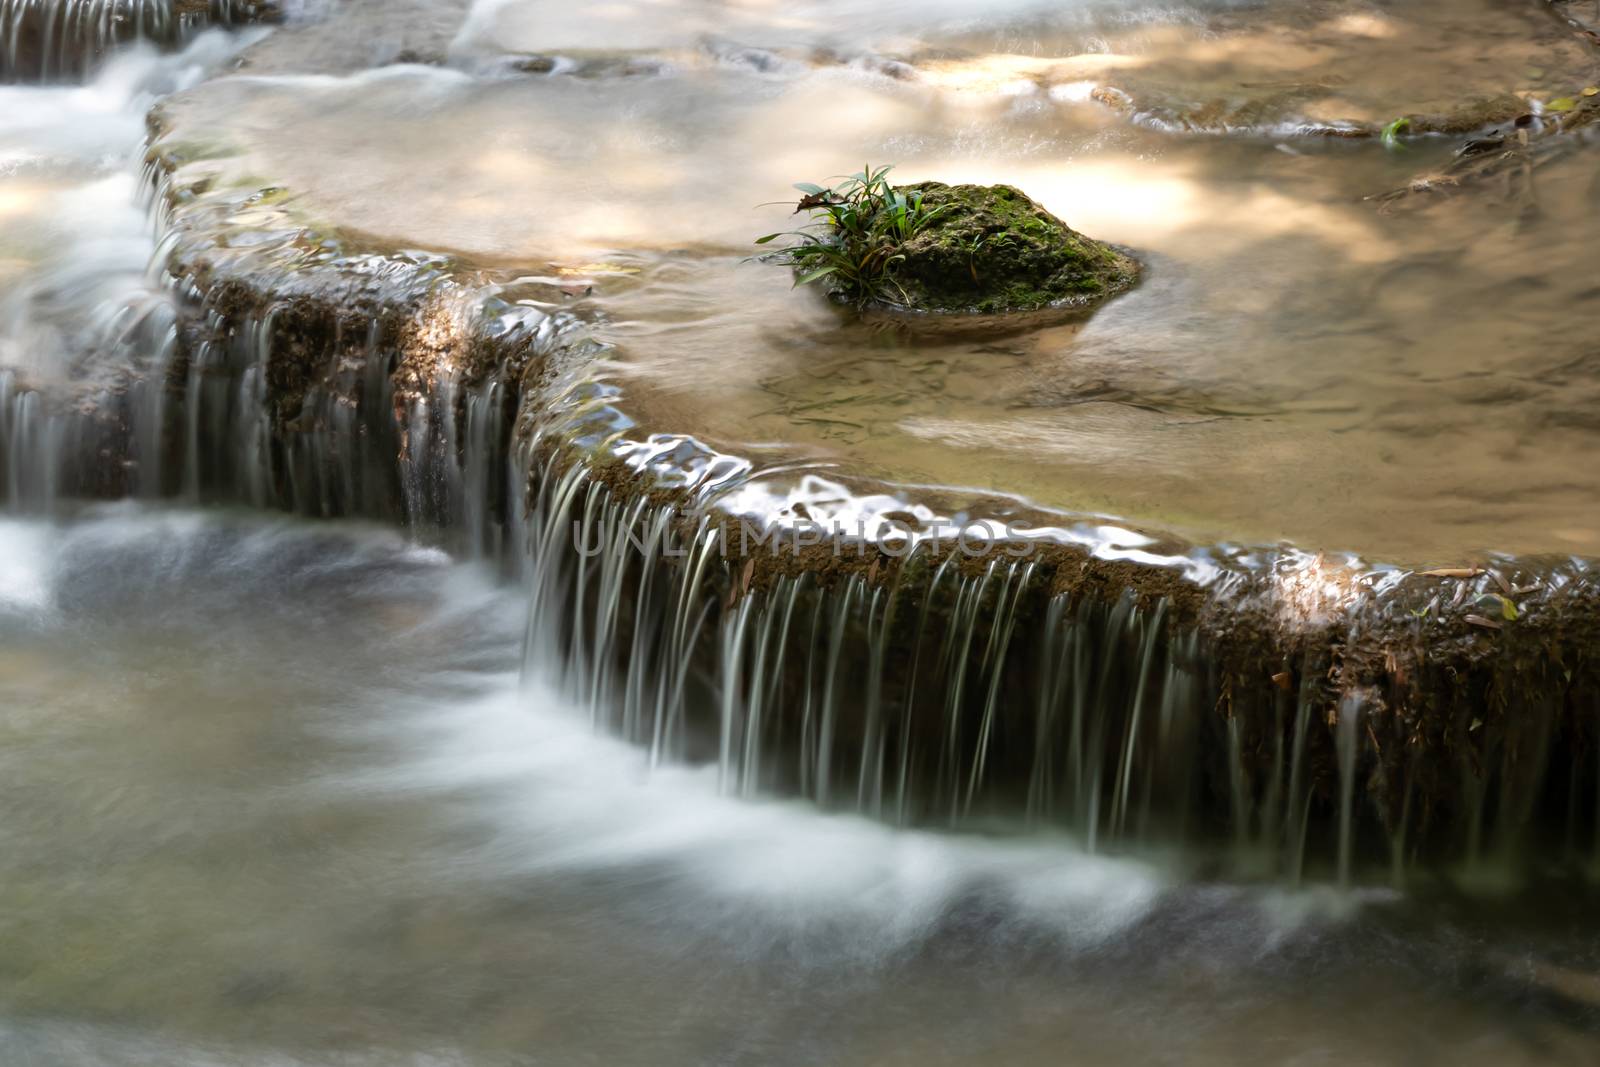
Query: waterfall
{"points": [[933, 689], [57, 40], [1109, 717], [1251, 714], [923, 688]]}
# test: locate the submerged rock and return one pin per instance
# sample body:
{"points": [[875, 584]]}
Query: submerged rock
{"points": [[992, 249]]}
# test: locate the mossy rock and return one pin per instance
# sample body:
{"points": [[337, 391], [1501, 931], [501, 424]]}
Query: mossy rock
{"points": [[992, 249]]}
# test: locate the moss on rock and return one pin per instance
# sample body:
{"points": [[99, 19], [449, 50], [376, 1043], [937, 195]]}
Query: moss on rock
{"points": [[992, 249]]}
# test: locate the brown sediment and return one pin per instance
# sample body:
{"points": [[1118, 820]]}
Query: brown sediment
{"points": [[1578, 16], [1470, 116], [1519, 133], [1515, 152], [1286, 106], [1276, 114]]}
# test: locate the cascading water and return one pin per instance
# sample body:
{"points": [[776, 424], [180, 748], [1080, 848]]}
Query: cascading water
{"points": [[639, 754], [319, 831], [290, 371], [87, 323], [59, 40], [957, 693], [947, 693]]}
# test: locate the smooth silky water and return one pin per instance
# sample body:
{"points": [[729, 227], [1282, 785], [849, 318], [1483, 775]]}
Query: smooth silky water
{"points": [[283, 792], [275, 792]]}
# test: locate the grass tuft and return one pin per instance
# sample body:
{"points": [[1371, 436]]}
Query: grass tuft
{"points": [[855, 240]]}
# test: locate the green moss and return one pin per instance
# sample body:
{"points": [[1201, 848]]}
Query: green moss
{"points": [[992, 249]]}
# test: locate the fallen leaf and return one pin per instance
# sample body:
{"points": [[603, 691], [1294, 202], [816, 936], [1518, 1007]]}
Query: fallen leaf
{"points": [[1561, 103], [1592, 91], [1490, 624], [1282, 680]]}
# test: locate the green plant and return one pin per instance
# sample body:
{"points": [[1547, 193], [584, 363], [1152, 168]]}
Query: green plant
{"points": [[976, 243], [859, 228], [1391, 133]]}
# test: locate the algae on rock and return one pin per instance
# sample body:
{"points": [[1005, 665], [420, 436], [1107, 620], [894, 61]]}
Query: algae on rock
{"points": [[947, 249], [992, 249]]}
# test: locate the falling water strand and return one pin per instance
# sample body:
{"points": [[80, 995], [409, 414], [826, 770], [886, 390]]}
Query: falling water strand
{"points": [[57, 40], [1348, 727]]}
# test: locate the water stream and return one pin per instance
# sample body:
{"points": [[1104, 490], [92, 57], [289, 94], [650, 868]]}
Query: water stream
{"points": [[1293, 346], [339, 828], [481, 755]]}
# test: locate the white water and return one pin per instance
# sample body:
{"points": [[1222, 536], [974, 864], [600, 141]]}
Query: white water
{"points": [[275, 793], [433, 698], [81, 305], [575, 801], [69, 168], [78, 242]]}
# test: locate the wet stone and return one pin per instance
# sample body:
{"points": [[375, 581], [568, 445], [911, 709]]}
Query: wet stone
{"points": [[992, 249]]}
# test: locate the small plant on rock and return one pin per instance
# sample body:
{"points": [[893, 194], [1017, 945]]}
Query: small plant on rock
{"points": [[945, 249], [856, 238], [975, 244]]}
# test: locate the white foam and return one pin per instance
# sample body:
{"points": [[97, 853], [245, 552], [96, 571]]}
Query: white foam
{"points": [[24, 566], [569, 800]]}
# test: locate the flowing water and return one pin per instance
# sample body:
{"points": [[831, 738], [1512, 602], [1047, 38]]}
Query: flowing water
{"points": [[1293, 349], [61, 40], [436, 791], [337, 827]]}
